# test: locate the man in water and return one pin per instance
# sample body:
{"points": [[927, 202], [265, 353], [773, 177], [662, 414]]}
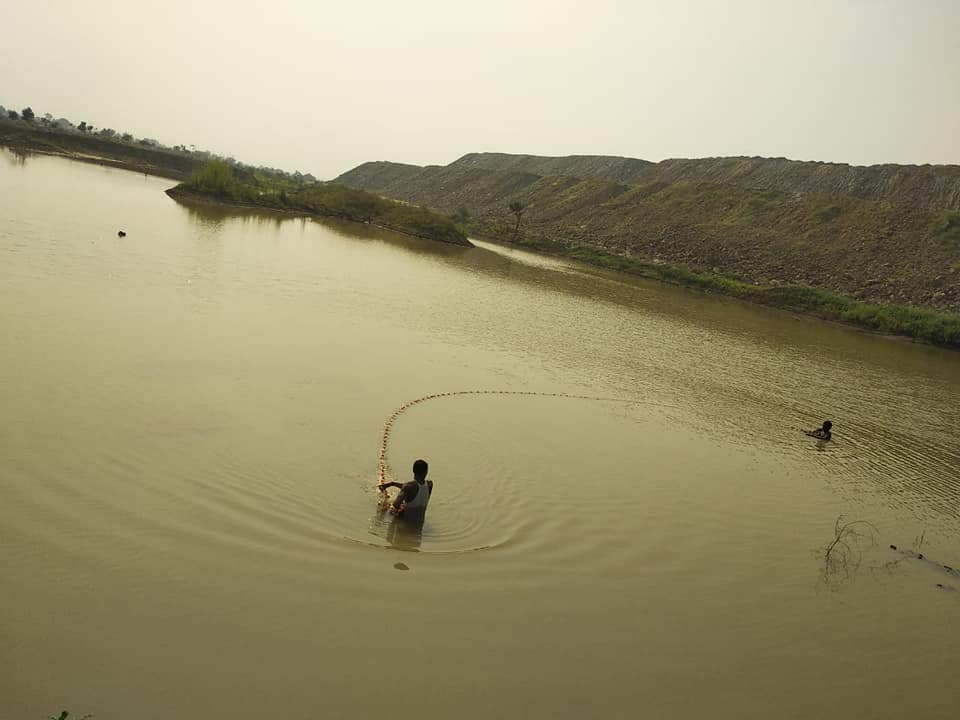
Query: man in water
{"points": [[413, 497], [821, 433]]}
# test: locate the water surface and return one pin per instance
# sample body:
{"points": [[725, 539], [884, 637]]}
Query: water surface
{"points": [[192, 416]]}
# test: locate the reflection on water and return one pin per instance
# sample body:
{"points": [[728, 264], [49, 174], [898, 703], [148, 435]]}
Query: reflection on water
{"points": [[16, 156], [189, 449], [213, 216], [400, 533]]}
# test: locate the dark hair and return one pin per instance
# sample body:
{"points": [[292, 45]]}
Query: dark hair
{"points": [[827, 424], [420, 468]]}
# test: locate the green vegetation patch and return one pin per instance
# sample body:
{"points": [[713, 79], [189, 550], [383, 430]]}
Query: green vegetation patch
{"points": [[947, 226], [755, 205], [826, 214], [216, 178]]}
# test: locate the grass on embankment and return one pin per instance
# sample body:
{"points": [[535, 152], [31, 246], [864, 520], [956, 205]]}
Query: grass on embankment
{"points": [[924, 325], [218, 180]]}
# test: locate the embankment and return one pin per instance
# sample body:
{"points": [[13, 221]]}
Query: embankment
{"points": [[878, 247]]}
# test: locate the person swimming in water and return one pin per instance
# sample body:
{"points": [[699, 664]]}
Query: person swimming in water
{"points": [[821, 433], [413, 497]]}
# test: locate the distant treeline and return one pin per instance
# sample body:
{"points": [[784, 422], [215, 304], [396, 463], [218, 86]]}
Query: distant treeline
{"points": [[50, 127], [220, 181]]}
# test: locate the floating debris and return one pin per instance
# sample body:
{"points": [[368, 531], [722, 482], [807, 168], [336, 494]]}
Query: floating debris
{"points": [[400, 566]]}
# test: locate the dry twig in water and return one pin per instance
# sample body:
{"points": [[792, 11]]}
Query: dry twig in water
{"points": [[842, 555]]}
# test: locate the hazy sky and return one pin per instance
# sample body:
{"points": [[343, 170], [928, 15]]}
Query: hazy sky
{"points": [[322, 86]]}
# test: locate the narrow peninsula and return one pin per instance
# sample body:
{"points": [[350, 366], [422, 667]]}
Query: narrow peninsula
{"points": [[218, 182]]}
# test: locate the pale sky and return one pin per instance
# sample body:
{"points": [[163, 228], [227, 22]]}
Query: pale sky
{"points": [[322, 86]]}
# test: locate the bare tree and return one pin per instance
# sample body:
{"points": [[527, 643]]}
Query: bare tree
{"points": [[517, 208]]}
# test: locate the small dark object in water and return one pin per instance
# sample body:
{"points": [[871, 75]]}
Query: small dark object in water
{"points": [[821, 433], [400, 566], [121, 234], [893, 547], [948, 568], [920, 556], [939, 585]]}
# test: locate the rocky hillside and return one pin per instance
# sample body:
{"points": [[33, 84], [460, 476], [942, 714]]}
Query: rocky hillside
{"points": [[885, 233], [929, 186]]}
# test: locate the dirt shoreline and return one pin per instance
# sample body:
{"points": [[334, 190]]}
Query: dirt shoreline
{"points": [[119, 164], [98, 151]]}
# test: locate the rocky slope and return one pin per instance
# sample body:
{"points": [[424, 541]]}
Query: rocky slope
{"points": [[885, 233]]}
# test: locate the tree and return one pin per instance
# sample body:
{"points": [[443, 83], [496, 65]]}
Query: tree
{"points": [[82, 127], [12, 114], [127, 137], [517, 208], [27, 114]]}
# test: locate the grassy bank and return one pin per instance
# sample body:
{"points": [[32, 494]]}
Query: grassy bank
{"points": [[942, 329], [219, 181]]}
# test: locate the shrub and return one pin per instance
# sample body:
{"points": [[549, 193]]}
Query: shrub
{"points": [[215, 178]]}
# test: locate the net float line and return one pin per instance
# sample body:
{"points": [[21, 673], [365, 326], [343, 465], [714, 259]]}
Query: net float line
{"points": [[385, 474]]}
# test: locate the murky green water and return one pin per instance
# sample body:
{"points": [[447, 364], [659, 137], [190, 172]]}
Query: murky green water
{"points": [[188, 446]]}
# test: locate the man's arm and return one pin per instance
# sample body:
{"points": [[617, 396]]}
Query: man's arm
{"points": [[384, 486], [408, 491]]}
